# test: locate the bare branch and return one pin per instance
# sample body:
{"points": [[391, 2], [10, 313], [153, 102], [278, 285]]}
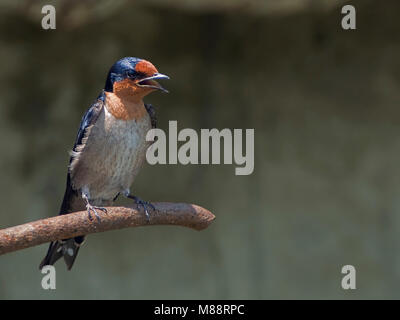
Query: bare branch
{"points": [[77, 223]]}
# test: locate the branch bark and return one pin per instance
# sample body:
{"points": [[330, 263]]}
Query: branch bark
{"points": [[77, 223]]}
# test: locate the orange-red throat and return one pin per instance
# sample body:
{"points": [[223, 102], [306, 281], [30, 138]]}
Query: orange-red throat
{"points": [[126, 100]]}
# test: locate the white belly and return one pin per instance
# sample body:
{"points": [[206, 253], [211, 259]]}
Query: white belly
{"points": [[115, 151]]}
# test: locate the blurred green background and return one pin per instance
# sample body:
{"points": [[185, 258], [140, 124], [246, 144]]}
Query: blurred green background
{"points": [[324, 104]]}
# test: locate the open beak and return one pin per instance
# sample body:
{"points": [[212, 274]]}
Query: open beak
{"points": [[150, 82]]}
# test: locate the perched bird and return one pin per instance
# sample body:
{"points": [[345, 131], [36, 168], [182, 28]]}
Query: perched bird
{"points": [[109, 149]]}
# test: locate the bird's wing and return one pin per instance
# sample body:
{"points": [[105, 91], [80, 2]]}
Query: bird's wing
{"points": [[71, 197], [88, 120], [152, 113], [87, 123]]}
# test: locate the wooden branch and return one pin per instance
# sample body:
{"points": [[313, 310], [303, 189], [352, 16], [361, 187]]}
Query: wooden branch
{"points": [[77, 223]]}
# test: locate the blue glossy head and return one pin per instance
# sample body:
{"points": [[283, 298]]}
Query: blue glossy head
{"points": [[142, 72]]}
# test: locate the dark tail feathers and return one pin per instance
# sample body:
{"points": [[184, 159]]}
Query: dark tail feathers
{"points": [[63, 248], [66, 248]]}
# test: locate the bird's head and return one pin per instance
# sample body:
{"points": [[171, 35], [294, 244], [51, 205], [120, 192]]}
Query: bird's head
{"points": [[135, 75]]}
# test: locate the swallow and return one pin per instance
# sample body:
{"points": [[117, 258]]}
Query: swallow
{"points": [[109, 149]]}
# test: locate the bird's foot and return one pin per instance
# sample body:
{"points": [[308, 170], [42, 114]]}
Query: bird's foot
{"points": [[94, 208], [144, 204]]}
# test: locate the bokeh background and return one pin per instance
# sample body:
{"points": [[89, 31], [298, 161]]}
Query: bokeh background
{"points": [[324, 104]]}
